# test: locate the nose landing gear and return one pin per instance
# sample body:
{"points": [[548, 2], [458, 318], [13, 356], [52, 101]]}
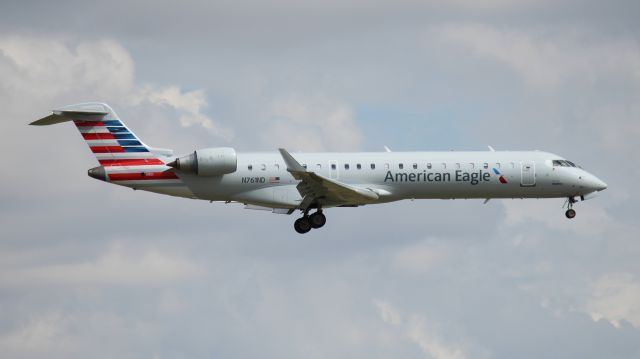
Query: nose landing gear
{"points": [[306, 223], [570, 213]]}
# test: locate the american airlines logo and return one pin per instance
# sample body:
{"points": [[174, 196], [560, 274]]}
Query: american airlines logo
{"points": [[501, 177]]}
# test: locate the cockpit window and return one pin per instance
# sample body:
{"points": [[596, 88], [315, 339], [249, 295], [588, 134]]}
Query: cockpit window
{"points": [[563, 163]]}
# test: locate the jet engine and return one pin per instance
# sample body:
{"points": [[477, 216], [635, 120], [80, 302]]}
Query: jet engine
{"points": [[208, 162]]}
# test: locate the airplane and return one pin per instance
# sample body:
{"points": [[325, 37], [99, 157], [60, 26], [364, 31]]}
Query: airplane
{"points": [[284, 183]]}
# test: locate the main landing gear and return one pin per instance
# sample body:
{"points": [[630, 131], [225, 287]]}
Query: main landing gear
{"points": [[570, 213], [308, 222]]}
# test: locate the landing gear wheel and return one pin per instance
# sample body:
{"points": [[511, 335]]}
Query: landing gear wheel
{"points": [[302, 225], [570, 213], [317, 220]]}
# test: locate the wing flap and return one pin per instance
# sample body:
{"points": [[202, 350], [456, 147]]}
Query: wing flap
{"points": [[314, 186]]}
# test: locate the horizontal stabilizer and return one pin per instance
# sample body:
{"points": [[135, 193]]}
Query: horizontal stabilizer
{"points": [[84, 111], [50, 120]]}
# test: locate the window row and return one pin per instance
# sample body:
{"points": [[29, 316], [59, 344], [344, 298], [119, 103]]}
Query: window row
{"points": [[415, 166]]}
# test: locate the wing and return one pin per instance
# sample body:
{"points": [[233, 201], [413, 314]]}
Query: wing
{"points": [[317, 188]]}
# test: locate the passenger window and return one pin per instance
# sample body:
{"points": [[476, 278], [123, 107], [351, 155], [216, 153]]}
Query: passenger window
{"points": [[497, 164], [318, 166], [386, 166], [277, 166], [250, 167], [429, 165], [359, 166], [400, 166], [472, 165], [373, 166], [304, 165], [263, 167], [346, 166], [415, 166], [485, 165], [333, 166], [513, 165], [457, 166], [444, 165]]}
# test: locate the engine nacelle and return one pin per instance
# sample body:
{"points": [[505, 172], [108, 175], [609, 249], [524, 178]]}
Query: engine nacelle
{"points": [[208, 162]]}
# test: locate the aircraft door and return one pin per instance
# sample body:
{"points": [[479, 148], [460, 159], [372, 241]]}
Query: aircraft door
{"points": [[528, 173]]}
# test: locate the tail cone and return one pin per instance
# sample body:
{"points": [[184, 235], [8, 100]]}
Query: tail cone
{"points": [[98, 173], [174, 164]]}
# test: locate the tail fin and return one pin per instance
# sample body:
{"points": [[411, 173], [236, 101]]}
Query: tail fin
{"points": [[108, 137], [116, 147]]}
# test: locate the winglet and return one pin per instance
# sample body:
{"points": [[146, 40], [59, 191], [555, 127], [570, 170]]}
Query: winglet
{"points": [[292, 164]]}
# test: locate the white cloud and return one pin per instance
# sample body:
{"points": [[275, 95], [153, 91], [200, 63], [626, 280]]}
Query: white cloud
{"points": [[388, 313], [190, 104], [421, 258], [415, 329], [546, 58], [312, 124], [615, 297], [429, 343], [40, 336], [551, 214], [44, 71], [43, 67], [117, 266]]}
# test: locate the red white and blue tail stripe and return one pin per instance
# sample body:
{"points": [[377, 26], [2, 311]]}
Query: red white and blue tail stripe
{"points": [[124, 158]]}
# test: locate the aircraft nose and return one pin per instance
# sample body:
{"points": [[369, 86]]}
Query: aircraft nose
{"points": [[593, 183]]}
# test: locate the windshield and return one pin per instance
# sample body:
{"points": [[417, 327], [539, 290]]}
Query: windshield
{"points": [[564, 163]]}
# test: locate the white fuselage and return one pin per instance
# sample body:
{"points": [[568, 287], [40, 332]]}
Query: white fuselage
{"points": [[262, 179]]}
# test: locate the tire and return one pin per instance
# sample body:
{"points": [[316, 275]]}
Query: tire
{"points": [[570, 213], [302, 225], [317, 220]]}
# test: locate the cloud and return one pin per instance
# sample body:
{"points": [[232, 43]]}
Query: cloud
{"points": [[39, 71], [547, 58], [40, 67], [38, 337], [519, 212], [616, 298], [421, 258], [189, 104], [207, 276], [430, 344], [312, 123], [387, 312], [118, 266], [415, 329]]}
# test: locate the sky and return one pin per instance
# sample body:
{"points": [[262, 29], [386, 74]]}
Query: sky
{"points": [[88, 269]]}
